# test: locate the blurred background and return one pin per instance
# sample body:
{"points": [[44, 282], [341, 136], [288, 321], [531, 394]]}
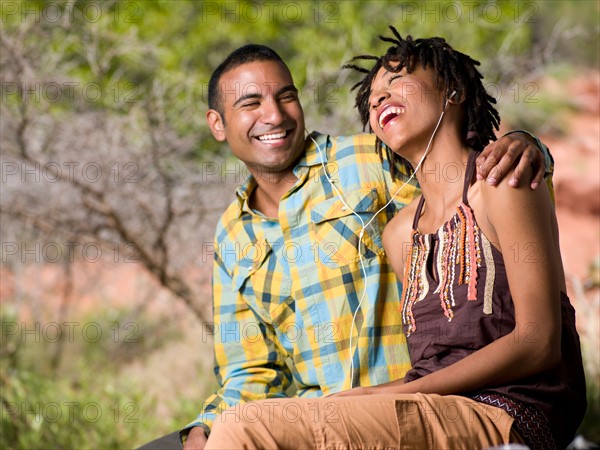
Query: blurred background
{"points": [[112, 183]]}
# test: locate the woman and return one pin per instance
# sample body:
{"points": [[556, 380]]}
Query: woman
{"points": [[484, 306]]}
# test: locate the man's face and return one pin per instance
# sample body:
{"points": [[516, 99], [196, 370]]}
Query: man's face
{"points": [[404, 109], [263, 119]]}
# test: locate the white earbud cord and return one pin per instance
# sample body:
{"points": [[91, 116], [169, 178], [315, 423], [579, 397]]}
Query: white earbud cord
{"points": [[364, 226]]}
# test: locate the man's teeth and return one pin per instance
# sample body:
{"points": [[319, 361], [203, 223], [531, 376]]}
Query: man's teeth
{"points": [[396, 110], [269, 137]]}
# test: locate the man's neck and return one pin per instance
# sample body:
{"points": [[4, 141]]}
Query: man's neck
{"points": [[270, 188]]}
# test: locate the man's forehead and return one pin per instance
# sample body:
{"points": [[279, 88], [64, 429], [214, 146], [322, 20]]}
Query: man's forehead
{"points": [[266, 73], [255, 79], [264, 87]]}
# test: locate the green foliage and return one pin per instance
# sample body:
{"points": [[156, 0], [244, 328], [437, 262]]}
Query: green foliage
{"points": [[139, 45], [41, 413], [81, 401], [530, 106], [590, 428]]}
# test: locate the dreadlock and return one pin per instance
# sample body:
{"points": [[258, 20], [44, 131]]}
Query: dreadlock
{"points": [[454, 71]]}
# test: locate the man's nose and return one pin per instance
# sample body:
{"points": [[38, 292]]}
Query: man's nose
{"points": [[273, 113]]}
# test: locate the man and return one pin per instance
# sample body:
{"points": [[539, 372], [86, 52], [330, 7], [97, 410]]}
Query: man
{"points": [[302, 290]]}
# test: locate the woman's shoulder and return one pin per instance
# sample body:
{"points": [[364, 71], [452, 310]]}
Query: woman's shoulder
{"points": [[398, 230], [405, 217]]}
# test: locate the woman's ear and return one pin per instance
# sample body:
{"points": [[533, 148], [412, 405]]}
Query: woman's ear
{"points": [[455, 98], [216, 124]]}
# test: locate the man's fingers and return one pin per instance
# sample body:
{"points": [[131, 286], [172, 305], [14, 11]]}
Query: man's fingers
{"points": [[538, 163], [484, 167], [522, 167], [480, 163], [502, 167], [537, 180], [497, 158]]}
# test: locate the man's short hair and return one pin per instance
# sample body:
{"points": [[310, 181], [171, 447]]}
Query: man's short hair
{"points": [[243, 55]]}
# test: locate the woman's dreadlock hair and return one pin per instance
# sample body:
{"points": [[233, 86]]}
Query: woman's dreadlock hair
{"points": [[454, 71]]}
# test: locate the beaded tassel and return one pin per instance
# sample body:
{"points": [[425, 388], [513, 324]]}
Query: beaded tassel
{"points": [[470, 243], [410, 284], [423, 283], [446, 269], [460, 243], [490, 275], [453, 259]]}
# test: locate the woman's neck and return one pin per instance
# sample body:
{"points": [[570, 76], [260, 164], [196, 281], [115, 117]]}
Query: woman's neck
{"points": [[442, 173]]}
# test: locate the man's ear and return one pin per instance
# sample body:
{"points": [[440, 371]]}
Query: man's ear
{"points": [[216, 125]]}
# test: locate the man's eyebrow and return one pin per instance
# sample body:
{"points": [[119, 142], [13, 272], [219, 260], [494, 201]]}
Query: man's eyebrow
{"points": [[255, 95], [288, 88], [258, 95]]}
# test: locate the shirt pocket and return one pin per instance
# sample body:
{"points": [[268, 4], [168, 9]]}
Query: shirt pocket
{"points": [[336, 228], [250, 258], [262, 287]]}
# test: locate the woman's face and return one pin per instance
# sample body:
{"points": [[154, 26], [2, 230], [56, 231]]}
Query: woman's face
{"points": [[405, 108]]}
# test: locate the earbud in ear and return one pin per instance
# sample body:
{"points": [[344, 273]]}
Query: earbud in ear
{"points": [[448, 99]]}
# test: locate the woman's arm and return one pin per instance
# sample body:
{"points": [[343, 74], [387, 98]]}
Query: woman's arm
{"points": [[521, 219]]}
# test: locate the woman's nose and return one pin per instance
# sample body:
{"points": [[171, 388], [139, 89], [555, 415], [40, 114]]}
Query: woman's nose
{"points": [[378, 98]]}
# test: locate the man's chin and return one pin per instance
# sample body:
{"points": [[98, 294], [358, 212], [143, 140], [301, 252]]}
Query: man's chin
{"points": [[273, 171]]}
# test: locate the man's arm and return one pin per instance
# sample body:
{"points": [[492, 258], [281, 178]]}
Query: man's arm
{"points": [[493, 164], [499, 156], [247, 363]]}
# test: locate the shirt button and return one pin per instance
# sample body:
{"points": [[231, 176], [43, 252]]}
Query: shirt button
{"points": [[344, 208]]}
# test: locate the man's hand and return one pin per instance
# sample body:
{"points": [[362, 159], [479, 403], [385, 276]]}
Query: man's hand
{"points": [[498, 157], [196, 439]]}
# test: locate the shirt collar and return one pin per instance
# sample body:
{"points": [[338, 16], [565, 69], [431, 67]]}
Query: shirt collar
{"points": [[316, 149], [243, 194]]}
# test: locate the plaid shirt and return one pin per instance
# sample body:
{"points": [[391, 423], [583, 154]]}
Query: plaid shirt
{"points": [[285, 290]]}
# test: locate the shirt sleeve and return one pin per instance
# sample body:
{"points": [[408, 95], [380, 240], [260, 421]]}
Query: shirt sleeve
{"points": [[248, 364]]}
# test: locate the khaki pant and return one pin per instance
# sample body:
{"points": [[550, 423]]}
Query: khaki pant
{"points": [[408, 421]]}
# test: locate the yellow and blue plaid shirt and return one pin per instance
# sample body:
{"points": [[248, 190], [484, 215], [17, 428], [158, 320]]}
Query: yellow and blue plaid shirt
{"points": [[285, 290]]}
